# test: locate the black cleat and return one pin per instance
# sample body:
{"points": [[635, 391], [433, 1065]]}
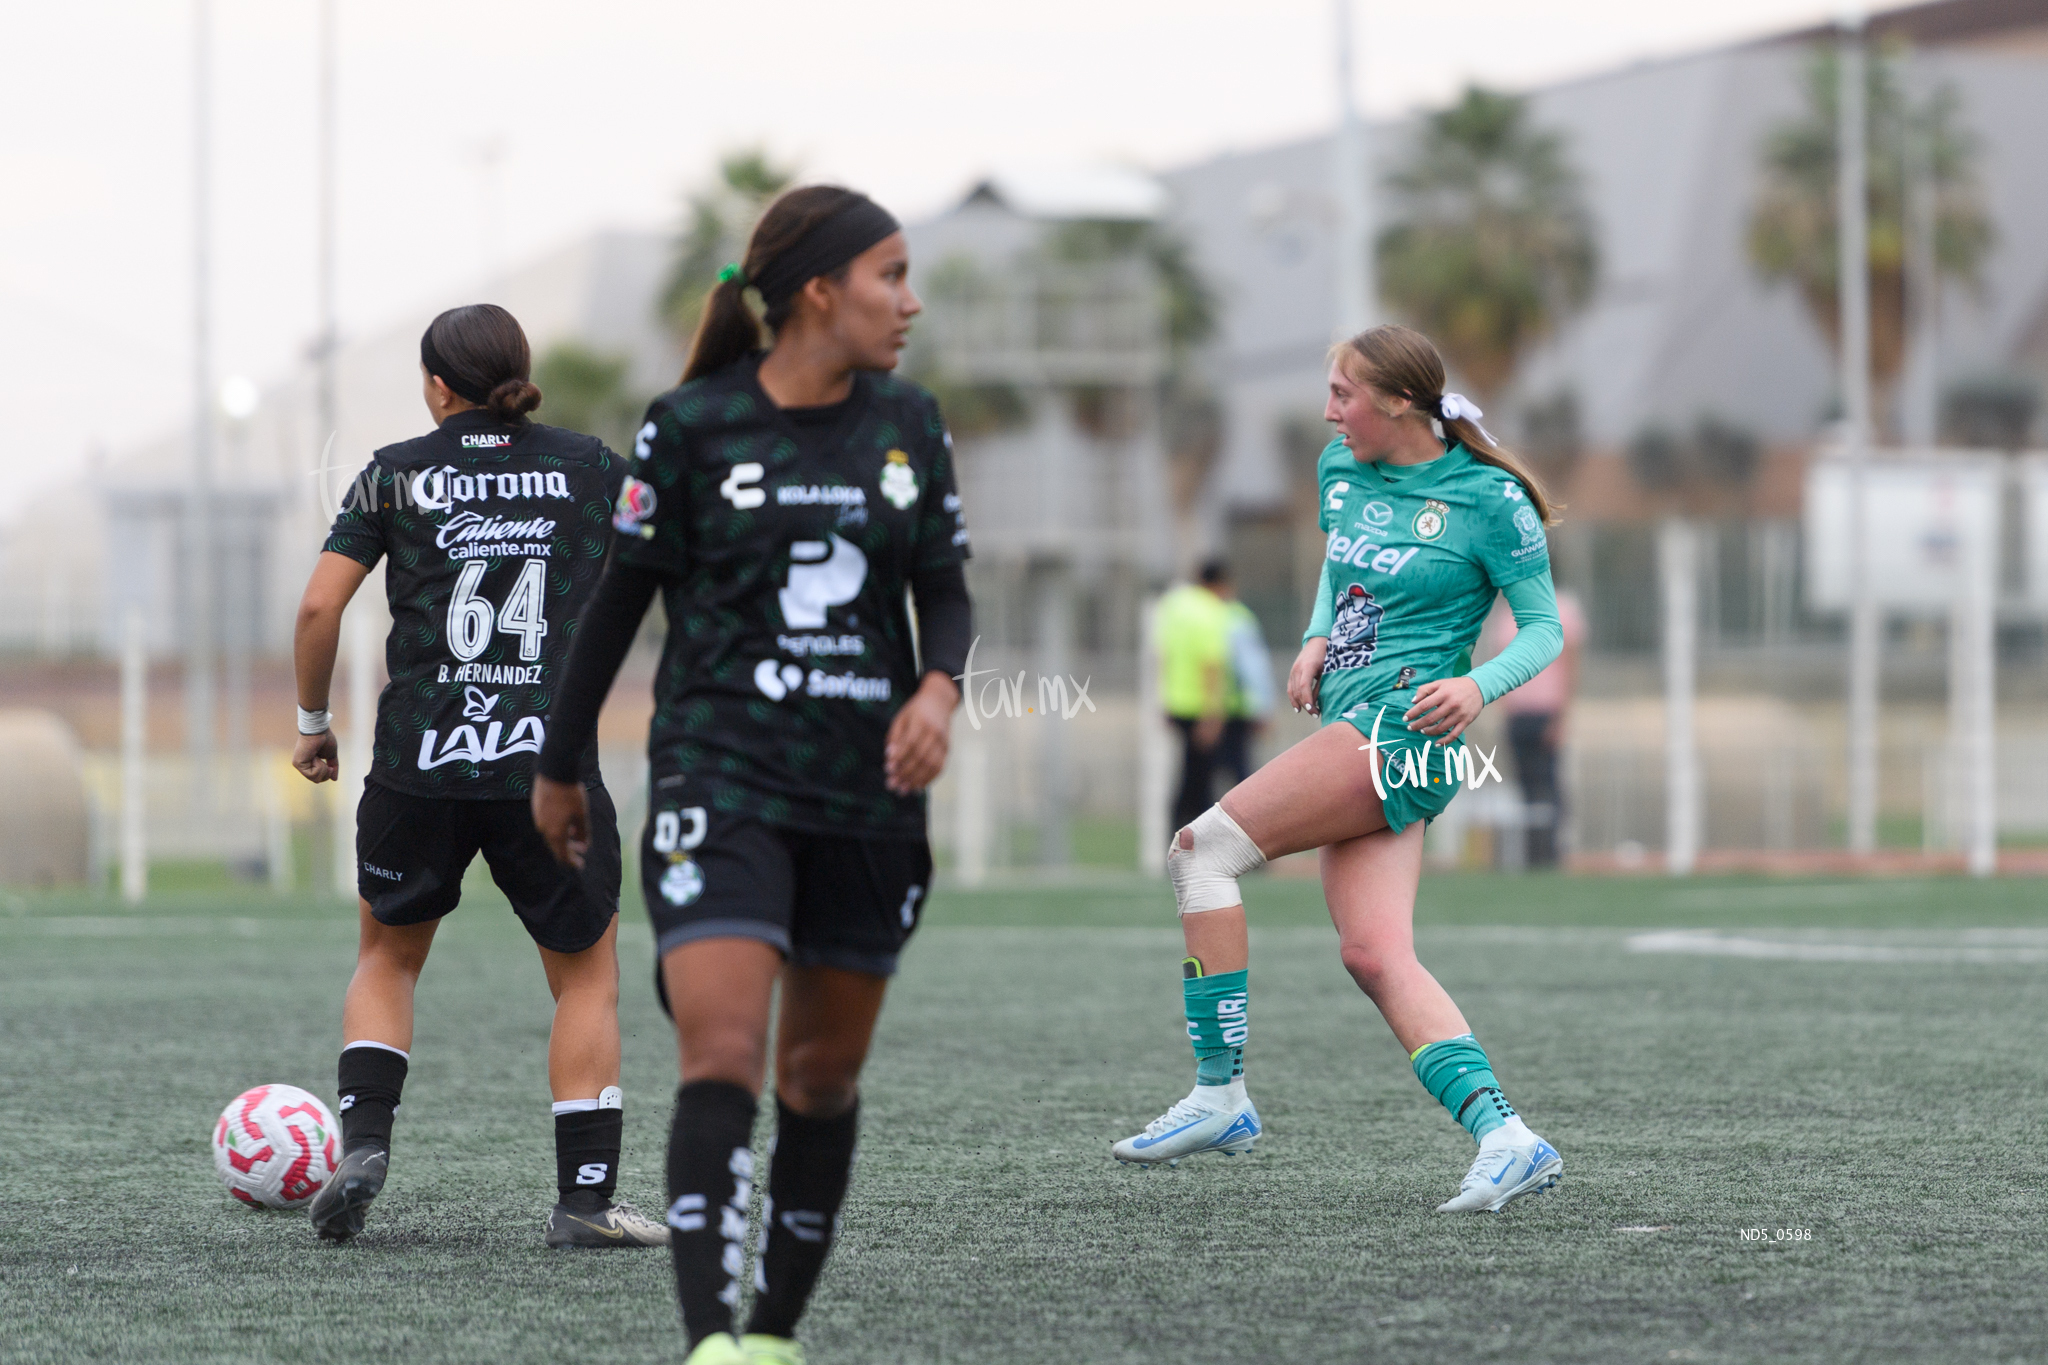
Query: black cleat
{"points": [[614, 1225], [338, 1209]]}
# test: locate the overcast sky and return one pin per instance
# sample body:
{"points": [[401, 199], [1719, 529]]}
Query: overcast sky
{"points": [[602, 113]]}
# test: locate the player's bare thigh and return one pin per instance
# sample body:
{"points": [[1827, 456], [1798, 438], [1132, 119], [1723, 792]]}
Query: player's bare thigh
{"points": [[1318, 792]]}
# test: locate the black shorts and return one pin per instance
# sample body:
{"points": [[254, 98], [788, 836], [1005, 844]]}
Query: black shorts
{"points": [[822, 900], [411, 852]]}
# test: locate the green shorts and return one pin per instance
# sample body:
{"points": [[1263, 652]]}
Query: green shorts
{"points": [[1417, 776]]}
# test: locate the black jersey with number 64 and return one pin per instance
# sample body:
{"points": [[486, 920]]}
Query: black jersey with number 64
{"points": [[496, 535]]}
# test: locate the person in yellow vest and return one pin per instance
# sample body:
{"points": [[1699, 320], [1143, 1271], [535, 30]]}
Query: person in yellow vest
{"points": [[1248, 702], [1195, 681]]}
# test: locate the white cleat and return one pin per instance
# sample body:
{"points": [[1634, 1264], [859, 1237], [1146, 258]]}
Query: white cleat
{"points": [[1518, 1163], [1212, 1118]]}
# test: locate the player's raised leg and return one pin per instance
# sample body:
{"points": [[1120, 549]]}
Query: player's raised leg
{"points": [[1319, 789], [1369, 883]]}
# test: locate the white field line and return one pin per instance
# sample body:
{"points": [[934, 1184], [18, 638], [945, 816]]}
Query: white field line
{"points": [[160, 926], [1992, 947]]}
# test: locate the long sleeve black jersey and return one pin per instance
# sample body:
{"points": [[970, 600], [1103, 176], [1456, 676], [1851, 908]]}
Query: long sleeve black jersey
{"points": [[784, 556], [496, 534]]}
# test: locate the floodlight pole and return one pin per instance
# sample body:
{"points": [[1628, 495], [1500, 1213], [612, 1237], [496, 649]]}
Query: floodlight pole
{"points": [[1350, 168], [1853, 276], [199, 492], [1977, 619], [134, 757], [1923, 284], [1678, 572], [324, 344]]}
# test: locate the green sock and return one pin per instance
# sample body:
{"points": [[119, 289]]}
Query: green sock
{"points": [[1456, 1073], [1216, 1025]]}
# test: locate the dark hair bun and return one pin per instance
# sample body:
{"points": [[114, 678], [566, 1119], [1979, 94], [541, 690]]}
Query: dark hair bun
{"points": [[512, 400]]}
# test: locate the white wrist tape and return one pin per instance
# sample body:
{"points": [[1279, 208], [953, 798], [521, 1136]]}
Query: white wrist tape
{"points": [[314, 722], [1206, 859]]}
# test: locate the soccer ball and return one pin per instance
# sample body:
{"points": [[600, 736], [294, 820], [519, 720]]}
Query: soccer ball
{"points": [[275, 1146]]}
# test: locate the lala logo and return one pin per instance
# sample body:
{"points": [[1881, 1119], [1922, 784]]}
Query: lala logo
{"points": [[463, 746]]}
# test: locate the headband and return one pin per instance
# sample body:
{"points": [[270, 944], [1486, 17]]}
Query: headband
{"points": [[822, 250], [441, 370]]}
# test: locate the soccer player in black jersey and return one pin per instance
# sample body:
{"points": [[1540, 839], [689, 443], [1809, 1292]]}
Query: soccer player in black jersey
{"points": [[782, 502], [493, 528]]}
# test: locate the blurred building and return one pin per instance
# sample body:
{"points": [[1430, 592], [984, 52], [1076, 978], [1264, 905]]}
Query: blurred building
{"points": [[1680, 327], [66, 581]]}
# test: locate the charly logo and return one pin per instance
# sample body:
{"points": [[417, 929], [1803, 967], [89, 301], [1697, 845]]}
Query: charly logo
{"points": [[899, 482], [1432, 520], [635, 506], [736, 490]]}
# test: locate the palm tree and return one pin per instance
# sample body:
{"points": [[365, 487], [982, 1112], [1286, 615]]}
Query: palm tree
{"points": [[587, 390], [717, 220], [1792, 235], [1492, 245]]}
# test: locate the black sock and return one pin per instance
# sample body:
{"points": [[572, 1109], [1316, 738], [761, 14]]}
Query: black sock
{"points": [[587, 1157], [807, 1179], [370, 1079], [710, 1178]]}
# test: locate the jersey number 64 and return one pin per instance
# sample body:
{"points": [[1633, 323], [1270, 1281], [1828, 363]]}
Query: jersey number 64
{"points": [[471, 618]]}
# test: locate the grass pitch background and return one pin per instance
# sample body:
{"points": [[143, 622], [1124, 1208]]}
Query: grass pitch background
{"points": [[1893, 1108]]}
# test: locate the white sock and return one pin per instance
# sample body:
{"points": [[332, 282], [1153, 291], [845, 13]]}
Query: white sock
{"points": [[608, 1098], [1222, 1096], [1513, 1133], [365, 1042]]}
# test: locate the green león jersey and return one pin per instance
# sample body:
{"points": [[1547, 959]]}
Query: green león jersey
{"points": [[1415, 556]]}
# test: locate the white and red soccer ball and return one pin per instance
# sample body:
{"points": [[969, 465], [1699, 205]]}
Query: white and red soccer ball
{"points": [[275, 1146]]}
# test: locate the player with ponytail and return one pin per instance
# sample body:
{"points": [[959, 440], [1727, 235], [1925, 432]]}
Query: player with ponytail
{"points": [[1428, 518], [493, 532], [787, 497]]}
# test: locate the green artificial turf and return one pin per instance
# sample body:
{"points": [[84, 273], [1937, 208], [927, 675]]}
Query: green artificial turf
{"points": [[1890, 1105]]}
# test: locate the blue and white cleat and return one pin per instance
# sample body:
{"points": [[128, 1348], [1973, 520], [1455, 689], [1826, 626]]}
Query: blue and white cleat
{"points": [[1512, 1162], [1212, 1118]]}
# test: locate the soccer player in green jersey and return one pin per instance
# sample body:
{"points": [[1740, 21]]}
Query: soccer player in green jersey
{"points": [[1428, 518]]}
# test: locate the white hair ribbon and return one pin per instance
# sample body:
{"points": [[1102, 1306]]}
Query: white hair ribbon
{"points": [[1452, 406]]}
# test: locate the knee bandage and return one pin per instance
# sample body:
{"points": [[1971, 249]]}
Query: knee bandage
{"points": [[1206, 859]]}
